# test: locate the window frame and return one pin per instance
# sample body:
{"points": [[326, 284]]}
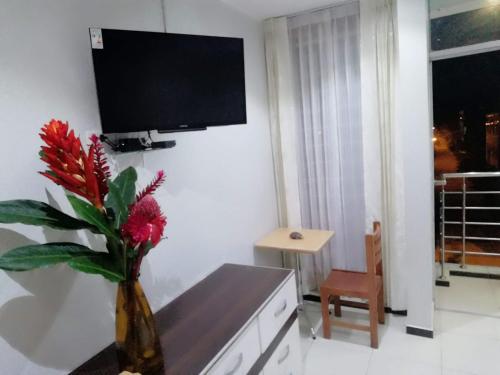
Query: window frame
{"points": [[472, 49]]}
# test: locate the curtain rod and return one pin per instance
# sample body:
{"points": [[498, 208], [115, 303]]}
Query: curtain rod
{"points": [[308, 11]]}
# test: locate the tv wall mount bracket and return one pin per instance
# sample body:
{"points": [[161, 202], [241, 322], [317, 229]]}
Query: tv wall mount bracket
{"points": [[136, 144]]}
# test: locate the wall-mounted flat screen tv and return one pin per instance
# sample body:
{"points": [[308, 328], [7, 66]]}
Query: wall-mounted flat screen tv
{"points": [[168, 82]]}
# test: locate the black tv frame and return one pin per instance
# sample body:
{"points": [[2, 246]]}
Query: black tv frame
{"points": [[179, 127]]}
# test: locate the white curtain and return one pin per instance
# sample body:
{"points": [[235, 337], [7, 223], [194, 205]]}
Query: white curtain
{"points": [[282, 114], [321, 66], [325, 48], [393, 208], [383, 168], [282, 126]]}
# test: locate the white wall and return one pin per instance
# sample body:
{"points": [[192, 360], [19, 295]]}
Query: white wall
{"points": [[219, 196], [413, 116]]}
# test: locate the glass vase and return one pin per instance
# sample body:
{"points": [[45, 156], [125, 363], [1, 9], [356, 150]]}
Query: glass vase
{"points": [[137, 341]]}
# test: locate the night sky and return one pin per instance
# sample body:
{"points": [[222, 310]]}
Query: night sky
{"points": [[471, 84]]}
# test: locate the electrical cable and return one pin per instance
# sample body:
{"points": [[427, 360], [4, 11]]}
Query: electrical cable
{"points": [[164, 15]]}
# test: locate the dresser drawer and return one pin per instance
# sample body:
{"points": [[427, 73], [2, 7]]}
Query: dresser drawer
{"points": [[277, 312], [287, 358], [241, 355]]}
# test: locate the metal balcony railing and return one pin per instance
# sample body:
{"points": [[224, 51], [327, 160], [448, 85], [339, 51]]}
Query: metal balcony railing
{"points": [[463, 223]]}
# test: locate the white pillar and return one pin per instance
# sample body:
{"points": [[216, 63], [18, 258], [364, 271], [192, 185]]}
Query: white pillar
{"points": [[413, 115]]}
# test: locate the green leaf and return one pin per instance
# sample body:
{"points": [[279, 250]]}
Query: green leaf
{"points": [[31, 212], [121, 195], [93, 216], [148, 247], [42, 255], [98, 263], [115, 249], [78, 257], [117, 204], [125, 182]]}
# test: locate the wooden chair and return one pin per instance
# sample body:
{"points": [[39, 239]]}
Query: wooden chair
{"points": [[365, 285]]}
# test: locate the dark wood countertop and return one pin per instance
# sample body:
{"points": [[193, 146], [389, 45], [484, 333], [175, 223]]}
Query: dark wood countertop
{"points": [[195, 326]]}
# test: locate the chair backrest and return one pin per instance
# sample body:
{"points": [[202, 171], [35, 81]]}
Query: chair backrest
{"points": [[373, 243]]}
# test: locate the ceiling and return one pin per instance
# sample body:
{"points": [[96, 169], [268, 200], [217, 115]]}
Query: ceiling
{"points": [[261, 9]]}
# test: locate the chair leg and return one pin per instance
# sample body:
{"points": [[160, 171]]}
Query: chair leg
{"points": [[325, 301], [373, 306], [381, 310], [337, 306]]}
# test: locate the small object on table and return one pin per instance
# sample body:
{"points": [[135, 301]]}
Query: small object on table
{"points": [[312, 242], [296, 236]]}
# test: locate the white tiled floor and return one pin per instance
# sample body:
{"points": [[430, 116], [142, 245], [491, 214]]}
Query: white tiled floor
{"points": [[470, 295], [466, 338]]}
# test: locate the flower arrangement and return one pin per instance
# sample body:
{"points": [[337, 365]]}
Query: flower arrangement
{"points": [[131, 222]]}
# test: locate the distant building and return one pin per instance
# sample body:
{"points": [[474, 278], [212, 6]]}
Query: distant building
{"points": [[461, 125], [460, 133], [492, 125]]}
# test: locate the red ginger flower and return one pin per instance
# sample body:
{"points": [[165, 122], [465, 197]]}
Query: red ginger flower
{"points": [[152, 187], [145, 223], [100, 166], [69, 165]]}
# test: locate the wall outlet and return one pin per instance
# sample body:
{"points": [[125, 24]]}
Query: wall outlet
{"points": [[96, 38]]}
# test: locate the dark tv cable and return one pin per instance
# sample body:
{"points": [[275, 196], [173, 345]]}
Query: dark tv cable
{"points": [[164, 15], [108, 141]]}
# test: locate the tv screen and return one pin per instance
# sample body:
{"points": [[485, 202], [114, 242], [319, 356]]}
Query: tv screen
{"points": [[168, 82]]}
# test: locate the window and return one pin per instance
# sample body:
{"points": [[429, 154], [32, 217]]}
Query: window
{"points": [[467, 113], [465, 29]]}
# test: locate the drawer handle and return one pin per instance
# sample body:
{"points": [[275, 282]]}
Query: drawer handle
{"points": [[281, 309], [284, 356], [237, 366]]}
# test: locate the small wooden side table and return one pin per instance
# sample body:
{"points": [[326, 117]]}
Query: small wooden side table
{"points": [[312, 243]]}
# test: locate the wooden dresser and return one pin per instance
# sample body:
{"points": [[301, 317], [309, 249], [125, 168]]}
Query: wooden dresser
{"points": [[238, 320]]}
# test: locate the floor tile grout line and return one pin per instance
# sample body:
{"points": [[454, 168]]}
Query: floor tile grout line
{"points": [[486, 338], [441, 346], [473, 313], [369, 362]]}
